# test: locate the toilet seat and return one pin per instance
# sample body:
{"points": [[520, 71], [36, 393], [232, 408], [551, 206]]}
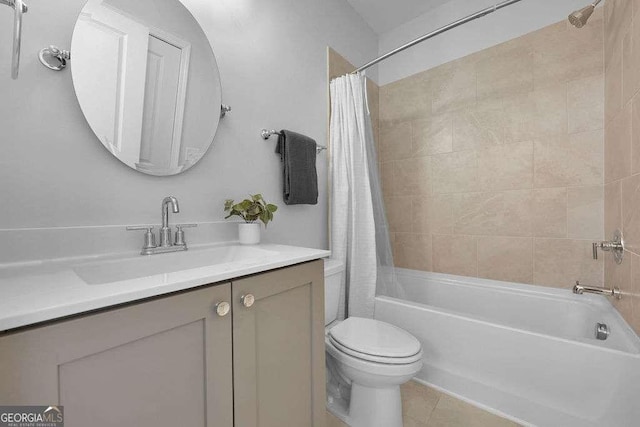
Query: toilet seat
{"points": [[377, 359], [375, 341]]}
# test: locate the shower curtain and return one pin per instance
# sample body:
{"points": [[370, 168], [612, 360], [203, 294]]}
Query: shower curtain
{"points": [[359, 231]]}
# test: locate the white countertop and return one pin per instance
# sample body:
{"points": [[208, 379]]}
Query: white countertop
{"points": [[45, 290]]}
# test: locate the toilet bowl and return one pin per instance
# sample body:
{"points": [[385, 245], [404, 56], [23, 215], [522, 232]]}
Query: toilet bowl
{"points": [[372, 357]]}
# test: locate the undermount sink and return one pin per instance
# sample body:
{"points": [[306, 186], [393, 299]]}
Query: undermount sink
{"points": [[135, 267]]}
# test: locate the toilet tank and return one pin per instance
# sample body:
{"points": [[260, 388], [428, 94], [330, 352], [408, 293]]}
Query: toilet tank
{"points": [[333, 271]]}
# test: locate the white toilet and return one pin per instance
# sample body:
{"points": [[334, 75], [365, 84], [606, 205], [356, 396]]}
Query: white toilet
{"points": [[372, 357]]}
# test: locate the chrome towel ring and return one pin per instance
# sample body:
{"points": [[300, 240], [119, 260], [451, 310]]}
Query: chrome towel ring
{"points": [[54, 58]]}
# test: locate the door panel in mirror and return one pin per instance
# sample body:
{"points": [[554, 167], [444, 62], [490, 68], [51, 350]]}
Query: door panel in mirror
{"points": [[164, 102]]}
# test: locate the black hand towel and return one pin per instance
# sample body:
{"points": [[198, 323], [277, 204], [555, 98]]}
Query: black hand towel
{"points": [[298, 155]]}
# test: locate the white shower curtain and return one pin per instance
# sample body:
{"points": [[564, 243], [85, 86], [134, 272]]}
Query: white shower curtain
{"points": [[353, 229]]}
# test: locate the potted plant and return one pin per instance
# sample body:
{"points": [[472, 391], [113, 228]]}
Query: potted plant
{"points": [[250, 210]]}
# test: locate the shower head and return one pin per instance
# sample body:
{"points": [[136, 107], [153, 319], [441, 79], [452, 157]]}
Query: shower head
{"points": [[580, 17]]}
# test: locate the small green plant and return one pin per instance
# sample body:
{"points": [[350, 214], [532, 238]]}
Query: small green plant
{"points": [[251, 210]]}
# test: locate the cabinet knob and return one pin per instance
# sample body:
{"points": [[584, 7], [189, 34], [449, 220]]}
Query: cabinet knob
{"points": [[223, 308], [247, 300]]}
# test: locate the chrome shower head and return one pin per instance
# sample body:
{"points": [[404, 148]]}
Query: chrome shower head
{"points": [[580, 17]]}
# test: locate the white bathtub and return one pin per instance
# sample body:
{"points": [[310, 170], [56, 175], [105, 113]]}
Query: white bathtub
{"points": [[525, 352]]}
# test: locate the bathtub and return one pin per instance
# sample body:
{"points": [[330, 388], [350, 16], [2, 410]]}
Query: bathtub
{"points": [[528, 353]]}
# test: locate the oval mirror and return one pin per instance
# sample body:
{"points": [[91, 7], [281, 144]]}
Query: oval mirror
{"points": [[147, 82]]}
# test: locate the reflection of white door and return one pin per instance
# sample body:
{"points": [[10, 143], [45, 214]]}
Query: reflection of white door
{"points": [[114, 55], [158, 147]]}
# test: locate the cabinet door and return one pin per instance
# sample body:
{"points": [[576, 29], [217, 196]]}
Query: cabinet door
{"points": [[165, 362], [278, 348]]}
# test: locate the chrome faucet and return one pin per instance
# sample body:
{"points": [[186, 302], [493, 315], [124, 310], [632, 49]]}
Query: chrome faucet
{"points": [[165, 231], [166, 244], [581, 289]]}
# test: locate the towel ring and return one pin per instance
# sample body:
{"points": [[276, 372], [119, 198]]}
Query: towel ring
{"points": [[54, 58]]}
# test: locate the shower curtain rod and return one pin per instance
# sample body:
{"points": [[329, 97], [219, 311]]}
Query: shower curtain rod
{"points": [[440, 30]]}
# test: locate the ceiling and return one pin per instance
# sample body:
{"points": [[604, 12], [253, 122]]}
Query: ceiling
{"points": [[384, 15]]}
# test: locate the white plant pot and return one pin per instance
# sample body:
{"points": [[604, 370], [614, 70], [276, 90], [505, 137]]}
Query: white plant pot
{"points": [[249, 233]]}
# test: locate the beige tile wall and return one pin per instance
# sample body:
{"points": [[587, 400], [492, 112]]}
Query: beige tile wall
{"points": [[493, 164], [622, 149]]}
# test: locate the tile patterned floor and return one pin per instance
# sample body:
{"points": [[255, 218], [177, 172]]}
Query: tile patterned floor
{"points": [[425, 407]]}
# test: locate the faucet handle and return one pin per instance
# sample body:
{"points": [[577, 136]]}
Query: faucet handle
{"points": [[139, 227], [186, 225], [149, 237], [180, 233], [615, 245]]}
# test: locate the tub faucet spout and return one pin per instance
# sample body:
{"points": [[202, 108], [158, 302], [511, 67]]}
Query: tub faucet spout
{"points": [[581, 289]]}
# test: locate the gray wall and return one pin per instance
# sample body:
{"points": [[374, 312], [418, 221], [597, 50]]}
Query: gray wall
{"points": [[272, 59]]}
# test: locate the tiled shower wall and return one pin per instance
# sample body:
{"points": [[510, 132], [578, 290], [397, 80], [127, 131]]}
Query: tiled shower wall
{"points": [[622, 149], [492, 165]]}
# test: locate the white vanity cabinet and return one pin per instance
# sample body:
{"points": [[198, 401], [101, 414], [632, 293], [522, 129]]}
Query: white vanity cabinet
{"points": [[176, 361]]}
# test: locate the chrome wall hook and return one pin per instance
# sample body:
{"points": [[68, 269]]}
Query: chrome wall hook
{"points": [[54, 58]]}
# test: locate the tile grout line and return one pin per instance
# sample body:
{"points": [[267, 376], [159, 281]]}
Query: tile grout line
{"points": [[477, 258], [533, 260], [566, 233], [434, 409]]}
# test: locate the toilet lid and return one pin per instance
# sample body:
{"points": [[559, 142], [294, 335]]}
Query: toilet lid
{"points": [[377, 359], [375, 338]]}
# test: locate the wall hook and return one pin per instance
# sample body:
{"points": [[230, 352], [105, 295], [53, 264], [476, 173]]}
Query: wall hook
{"points": [[54, 58]]}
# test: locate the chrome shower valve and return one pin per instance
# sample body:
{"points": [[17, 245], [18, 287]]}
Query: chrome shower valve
{"points": [[615, 245]]}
